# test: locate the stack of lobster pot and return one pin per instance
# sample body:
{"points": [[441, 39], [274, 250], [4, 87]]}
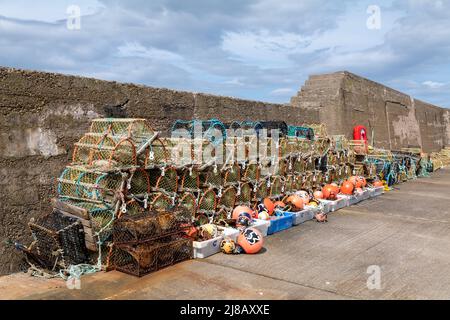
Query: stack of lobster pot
{"points": [[120, 168]]}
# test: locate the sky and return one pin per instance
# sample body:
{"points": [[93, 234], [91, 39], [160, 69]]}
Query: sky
{"points": [[253, 49]]}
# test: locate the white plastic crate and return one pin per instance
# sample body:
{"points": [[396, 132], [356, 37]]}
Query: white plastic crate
{"points": [[351, 200], [230, 233], [378, 191], [205, 249], [325, 204], [261, 225], [334, 205], [303, 216], [365, 195]]}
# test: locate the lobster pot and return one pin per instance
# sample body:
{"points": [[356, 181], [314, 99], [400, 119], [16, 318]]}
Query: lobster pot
{"points": [[269, 151], [84, 148], [81, 184], [262, 190], [207, 203], [138, 184], [286, 148], [322, 145], [297, 183], [133, 208], [114, 154], [59, 241], [232, 175], [310, 163], [156, 154], [212, 178], [246, 148], [318, 179], [161, 202], [304, 145], [330, 175], [277, 168], [190, 180], [187, 203], [244, 194], [222, 215], [105, 153], [142, 259], [251, 173], [359, 147], [228, 198], [149, 226], [331, 158], [137, 129], [167, 181], [212, 130], [277, 187], [308, 181], [289, 185]]}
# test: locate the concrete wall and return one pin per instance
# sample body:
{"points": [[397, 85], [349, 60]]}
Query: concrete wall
{"points": [[43, 114], [395, 120]]}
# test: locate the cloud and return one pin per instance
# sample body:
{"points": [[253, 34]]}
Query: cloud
{"points": [[255, 49]]}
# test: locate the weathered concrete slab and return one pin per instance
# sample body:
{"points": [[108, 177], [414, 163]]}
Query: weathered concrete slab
{"points": [[406, 233]]}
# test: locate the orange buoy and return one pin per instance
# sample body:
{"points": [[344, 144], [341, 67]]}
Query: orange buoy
{"points": [[378, 184], [242, 210], [347, 188], [318, 195], [296, 203], [269, 205], [251, 241], [330, 192]]}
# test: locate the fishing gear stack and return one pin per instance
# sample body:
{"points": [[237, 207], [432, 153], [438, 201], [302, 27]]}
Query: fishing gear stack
{"points": [[130, 199]]}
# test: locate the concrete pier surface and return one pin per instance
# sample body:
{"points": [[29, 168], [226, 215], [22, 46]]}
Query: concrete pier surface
{"points": [[404, 234]]}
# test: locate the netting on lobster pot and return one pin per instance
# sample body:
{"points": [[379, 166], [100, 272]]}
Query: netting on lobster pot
{"points": [[179, 151], [161, 202], [228, 198], [297, 183], [232, 175], [167, 181], [207, 203], [187, 202], [157, 154], [262, 190], [86, 185], [190, 180], [317, 179], [289, 185], [251, 173], [277, 187], [212, 177], [59, 241], [82, 153], [138, 184], [307, 182], [142, 259], [133, 208], [130, 128], [244, 194], [299, 166], [112, 153]]}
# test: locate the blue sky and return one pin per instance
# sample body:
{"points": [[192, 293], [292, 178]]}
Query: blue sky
{"points": [[254, 49]]}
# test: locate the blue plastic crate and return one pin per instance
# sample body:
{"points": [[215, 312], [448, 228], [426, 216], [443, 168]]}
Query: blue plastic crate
{"points": [[281, 223]]}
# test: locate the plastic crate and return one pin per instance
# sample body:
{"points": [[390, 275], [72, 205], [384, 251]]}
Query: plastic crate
{"points": [[205, 249], [230, 233], [364, 195], [262, 226], [376, 192], [333, 206], [351, 200], [301, 217], [282, 223]]}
